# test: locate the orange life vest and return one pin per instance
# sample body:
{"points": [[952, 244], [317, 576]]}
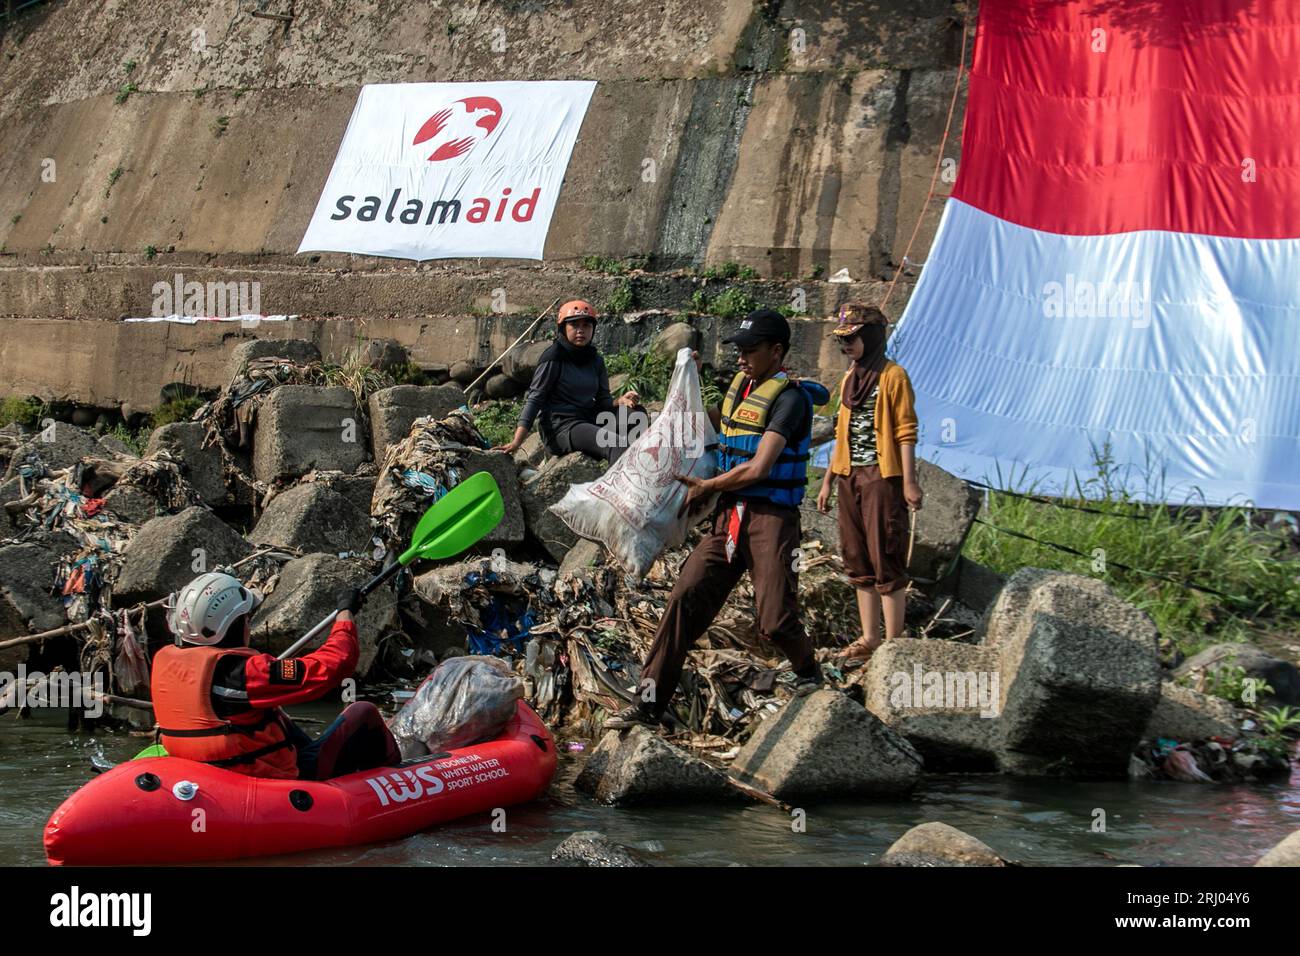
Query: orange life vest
{"points": [[254, 743]]}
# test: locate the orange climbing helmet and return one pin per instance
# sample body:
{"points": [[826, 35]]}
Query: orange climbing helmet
{"points": [[576, 309]]}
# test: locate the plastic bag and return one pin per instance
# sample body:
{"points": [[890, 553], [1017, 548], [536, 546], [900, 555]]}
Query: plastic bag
{"points": [[632, 508], [466, 700]]}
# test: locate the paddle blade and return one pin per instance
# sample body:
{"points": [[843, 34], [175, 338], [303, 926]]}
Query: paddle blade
{"points": [[458, 520], [157, 750]]}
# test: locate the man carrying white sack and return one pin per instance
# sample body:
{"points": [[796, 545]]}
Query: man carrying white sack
{"points": [[762, 473]]}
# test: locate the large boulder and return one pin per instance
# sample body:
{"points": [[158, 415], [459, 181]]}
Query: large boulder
{"points": [[464, 372], [1184, 715], [521, 362], [591, 848], [825, 745], [168, 552], [27, 571], [307, 591], [671, 339], [942, 523], [393, 410], [57, 446], [1282, 676], [1080, 676], [312, 517], [502, 468], [306, 427], [942, 696], [501, 386], [295, 350], [938, 844], [583, 559], [132, 504], [1286, 853], [637, 766], [203, 467], [551, 483]]}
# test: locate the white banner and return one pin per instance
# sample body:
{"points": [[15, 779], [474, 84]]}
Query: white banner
{"points": [[442, 170]]}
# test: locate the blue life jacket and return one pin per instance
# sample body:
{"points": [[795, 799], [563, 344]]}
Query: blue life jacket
{"points": [[743, 423]]}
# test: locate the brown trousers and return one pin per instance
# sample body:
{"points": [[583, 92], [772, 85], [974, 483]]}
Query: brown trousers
{"points": [[873, 529], [769, 536]]}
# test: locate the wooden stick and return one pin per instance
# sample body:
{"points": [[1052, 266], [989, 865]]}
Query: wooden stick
{"points": [[755, 793], [527, 331], [125, 701]]}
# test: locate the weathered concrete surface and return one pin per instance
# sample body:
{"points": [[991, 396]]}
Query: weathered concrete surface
{"points": [[826, 745], [313, 518], [638, 766], [392, 410], [303, 427], [1184, 715], [548, 486], [203, 467], [170, 551]]}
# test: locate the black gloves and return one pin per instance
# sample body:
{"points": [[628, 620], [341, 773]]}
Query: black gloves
{"points": [[350, 600]]}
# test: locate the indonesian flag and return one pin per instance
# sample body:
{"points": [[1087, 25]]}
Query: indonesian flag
{"points": [[1114, 289]]}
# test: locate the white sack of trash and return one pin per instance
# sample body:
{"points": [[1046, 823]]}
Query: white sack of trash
{"points": [[465, 701], [632, 508]]}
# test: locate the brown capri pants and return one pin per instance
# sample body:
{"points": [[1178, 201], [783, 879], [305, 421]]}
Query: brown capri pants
{"points": [[769, 535], [873, 529]]}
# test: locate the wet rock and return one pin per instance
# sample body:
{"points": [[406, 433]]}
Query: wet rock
{"points": [[464, 372], [590, 848], [299, 351], [501, 386], [522, 362], [1184, 715], [307, 591], [1286, 853], [825, 745], [671, 339], [168, 552], [57, 446], [1282, 676], [132, 504], [202, 467], [938, 844], [1079, 673], [548, 486], [393, 410], [311, 517], [942, 523], [27, 572], [942, 696], [637, 766], [302, 427]]}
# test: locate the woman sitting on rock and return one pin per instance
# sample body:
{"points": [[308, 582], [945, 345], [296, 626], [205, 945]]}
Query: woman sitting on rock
{"points": [[875, 461], [569, 396]]}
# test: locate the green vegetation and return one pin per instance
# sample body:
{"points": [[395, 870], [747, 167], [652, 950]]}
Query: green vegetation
{"points": [[150, 252], [16, 218], [128, 66], [496, 420], [135, 440], [219, 125], [408, 373], [622, 299], [24, 411], [1218, 548], [1227, 681], [729, 270], [648, 373], [610, 265], [732, 304], [113, 177], [177, 410], [124, 93]]}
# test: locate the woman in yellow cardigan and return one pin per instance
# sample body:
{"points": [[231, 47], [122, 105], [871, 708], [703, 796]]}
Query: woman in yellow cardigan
{"points": [[875, 463]]}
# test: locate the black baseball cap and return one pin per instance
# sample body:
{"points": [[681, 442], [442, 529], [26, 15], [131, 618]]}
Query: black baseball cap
{"points": [[762, 325]]}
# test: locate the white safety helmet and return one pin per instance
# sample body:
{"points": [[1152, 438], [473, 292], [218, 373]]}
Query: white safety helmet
{"points": [[208, 605]]}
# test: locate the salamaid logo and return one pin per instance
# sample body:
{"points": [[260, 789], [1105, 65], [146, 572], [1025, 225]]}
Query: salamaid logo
{"points": [[457, 128]]}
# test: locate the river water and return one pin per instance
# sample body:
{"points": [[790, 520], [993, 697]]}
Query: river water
{"points": [[1039, 822]]}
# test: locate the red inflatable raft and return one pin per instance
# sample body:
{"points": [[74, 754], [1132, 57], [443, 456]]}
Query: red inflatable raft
{"points": [[168, 810]]}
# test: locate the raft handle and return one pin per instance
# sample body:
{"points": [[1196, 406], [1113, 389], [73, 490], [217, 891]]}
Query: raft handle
{"points": [[300, 799], [540, 741], [148, 782]]}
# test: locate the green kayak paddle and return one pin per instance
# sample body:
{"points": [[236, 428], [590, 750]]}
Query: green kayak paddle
{"points": [[456, 521]]}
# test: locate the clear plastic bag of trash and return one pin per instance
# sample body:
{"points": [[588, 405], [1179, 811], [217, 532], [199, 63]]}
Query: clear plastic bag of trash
{"points": [[632, 508], [465, 701]]}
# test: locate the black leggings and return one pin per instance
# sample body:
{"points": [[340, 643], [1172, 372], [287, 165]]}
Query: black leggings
{"points": [[357, 740], [566, 435]]}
